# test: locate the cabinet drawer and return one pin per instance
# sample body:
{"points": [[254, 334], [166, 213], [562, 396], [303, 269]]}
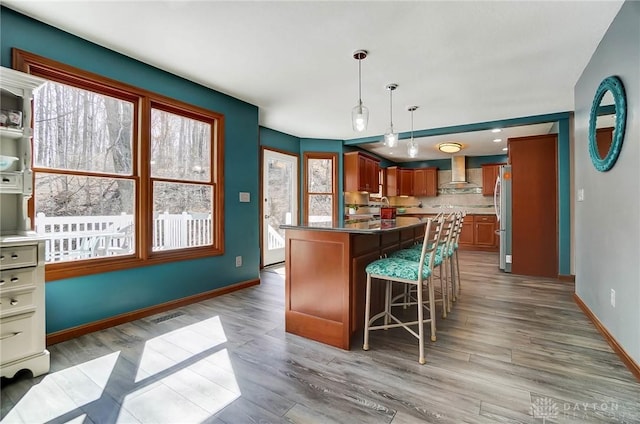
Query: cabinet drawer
{"points": [[11, 182], [18, 338], [16, 278], [18, 256], [17, 302], [484, 218]]}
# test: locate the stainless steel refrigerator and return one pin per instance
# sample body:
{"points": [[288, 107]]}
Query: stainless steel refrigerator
{"points": [[502, 204]]}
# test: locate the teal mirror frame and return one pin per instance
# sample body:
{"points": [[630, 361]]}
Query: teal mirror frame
{"points": [[614, 85]]}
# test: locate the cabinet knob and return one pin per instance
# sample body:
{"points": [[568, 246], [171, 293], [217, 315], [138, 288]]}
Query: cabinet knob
{"points": [[13, 302]]}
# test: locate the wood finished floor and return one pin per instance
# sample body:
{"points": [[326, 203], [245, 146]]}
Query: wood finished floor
{"points": [[514, 349]]}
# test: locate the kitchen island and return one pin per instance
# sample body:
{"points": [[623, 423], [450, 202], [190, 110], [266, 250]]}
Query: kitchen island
{"points": [[325, 279]]}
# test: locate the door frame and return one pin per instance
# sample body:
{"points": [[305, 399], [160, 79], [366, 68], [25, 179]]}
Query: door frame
{"points": [[261, 184]]}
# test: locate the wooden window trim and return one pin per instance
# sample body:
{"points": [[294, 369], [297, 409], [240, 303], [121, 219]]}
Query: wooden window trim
{"points": [[334, 184], [143, 101]]}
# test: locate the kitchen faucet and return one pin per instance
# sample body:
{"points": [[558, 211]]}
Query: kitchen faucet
{"points": [[384, 198]]}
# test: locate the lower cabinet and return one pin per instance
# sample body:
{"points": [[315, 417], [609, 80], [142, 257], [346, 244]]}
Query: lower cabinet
{"points": [[479, 233], [22, 316]]}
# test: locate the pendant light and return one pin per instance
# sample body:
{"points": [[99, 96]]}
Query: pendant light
{"points": [[412, 146], [359, 114], [391, 137]]}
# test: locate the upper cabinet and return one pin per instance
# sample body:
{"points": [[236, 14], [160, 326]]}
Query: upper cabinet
{"points": [[425, 182], [411, 182], [16, 180], [490, 174], [361, 172], [399, 181]]}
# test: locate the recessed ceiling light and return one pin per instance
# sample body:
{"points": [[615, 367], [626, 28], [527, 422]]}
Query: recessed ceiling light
{"points": [[504, 149], [497, 140], [496, 130]]}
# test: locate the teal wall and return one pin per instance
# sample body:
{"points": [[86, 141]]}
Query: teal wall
{"points": [[78, 301], [445, 164], [279, 140]]}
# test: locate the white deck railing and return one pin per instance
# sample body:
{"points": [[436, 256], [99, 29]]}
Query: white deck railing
{"points": [[274, 239], [81, 237]]}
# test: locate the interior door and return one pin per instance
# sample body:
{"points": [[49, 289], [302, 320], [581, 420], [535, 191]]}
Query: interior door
{"points": [[280, 202]]}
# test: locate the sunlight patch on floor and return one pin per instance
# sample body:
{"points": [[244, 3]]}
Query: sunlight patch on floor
{"points": [[51, 398], [176, 379]]}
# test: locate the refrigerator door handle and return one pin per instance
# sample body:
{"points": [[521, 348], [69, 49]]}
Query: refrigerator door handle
{"points": [[495, 198]]}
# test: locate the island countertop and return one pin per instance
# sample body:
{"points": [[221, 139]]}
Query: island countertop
{"points": [[364, 227]]}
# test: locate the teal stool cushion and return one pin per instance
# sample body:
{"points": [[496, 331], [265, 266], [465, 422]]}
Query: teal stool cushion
{"points": [[414, 255], [397, 268]]}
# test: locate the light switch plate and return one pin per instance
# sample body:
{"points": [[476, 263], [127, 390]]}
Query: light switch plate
{"points": [[245, 197], [580, 194], [507, 259]]}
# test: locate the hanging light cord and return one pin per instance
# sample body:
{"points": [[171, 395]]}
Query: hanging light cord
{"points": [[391, 109], [360, 81], [412, 124]]}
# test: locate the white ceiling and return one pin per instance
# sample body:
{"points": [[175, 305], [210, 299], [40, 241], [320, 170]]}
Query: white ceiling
{"points": [[461, 62]]}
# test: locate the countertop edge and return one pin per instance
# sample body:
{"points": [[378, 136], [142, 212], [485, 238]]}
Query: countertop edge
{"points": [[418, 222]]}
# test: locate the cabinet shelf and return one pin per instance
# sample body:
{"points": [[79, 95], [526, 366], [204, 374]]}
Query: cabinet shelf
{"points": [[11, 133]]}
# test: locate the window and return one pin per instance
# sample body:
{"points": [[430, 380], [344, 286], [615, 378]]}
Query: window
{"points": [[122, 177], [320, 188]]}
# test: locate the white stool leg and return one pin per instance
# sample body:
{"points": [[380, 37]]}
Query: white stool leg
{"points": [[387, 302], [421, 359], [458, 283], [367, 312], [432, 309], [443, 284]]}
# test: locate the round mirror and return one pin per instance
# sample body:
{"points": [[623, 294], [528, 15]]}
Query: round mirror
{"points": [[607, 123]]}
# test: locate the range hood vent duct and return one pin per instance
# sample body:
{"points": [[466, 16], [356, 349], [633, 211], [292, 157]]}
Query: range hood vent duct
{"points": [[458, 170]]}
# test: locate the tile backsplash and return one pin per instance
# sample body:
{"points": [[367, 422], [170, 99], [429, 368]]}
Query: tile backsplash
{"points": [[451, 196]]}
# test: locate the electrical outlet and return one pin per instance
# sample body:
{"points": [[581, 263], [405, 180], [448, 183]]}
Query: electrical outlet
{"points": [[507, 259], [238, 261], [613, 298], [580, 195]]}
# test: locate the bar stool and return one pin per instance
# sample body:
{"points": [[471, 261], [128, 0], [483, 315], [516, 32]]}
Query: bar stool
{"points": [[442, 261], [412, 273]]}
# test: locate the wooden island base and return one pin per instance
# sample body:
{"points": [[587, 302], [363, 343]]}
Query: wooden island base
{"points": [[325, 279]]}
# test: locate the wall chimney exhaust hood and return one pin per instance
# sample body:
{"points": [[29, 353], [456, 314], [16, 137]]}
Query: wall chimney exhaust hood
{"points": [[458, 170]]}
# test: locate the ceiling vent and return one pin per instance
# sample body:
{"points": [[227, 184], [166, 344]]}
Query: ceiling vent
{"points": [[458, 170]]}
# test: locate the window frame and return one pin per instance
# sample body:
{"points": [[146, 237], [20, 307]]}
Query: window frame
{"points": [[334, 184], [143, 101]]}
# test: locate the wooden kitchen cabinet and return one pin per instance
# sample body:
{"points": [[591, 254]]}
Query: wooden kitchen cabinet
{"points": [[425, 182], [406, 182], [490, 174], [484, 230], [479, 233], [361, 172], [399, 182], [466, 235]]}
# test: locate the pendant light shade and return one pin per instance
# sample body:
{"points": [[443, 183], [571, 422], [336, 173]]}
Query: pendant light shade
{"points": [[412, 146], [391, 137], [359, 114], [360, 117]]}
